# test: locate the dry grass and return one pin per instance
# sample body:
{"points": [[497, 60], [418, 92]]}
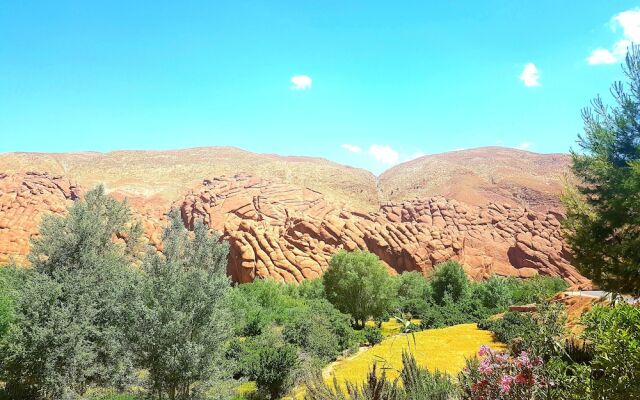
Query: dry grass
{"points": [[443, 349]]}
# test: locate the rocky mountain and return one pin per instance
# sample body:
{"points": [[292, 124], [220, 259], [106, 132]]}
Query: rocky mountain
{"points": [[285, 216], [479, 176]]}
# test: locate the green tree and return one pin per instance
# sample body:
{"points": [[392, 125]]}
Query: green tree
{"points": [[71, 321], [603, 209], [449, 278], [270, 362], [184, 320], [358, 284]]}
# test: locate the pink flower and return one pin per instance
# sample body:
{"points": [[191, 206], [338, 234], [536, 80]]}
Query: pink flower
{"points": [[505, 383], [484, 350], [485, 366]]}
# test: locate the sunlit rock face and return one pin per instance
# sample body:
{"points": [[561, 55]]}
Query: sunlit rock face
{"points": [[289, 233], [24, 199]]}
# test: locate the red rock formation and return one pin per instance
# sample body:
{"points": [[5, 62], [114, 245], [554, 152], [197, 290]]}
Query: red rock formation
{"points": [[290, 233], [24, 199]]}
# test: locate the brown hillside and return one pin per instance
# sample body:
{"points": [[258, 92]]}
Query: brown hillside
{"points": [[165, 175], [479, 176]]}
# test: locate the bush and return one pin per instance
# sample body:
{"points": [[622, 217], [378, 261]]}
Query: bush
{"points": [[614, 333], [270, 363], [373, 335], [534, 290], [499, 376], [494, 293], [319, 329], [448, 278]]}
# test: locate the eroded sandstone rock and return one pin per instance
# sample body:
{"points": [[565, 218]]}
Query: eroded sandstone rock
{"points": [[24, 199], [290, 233]]}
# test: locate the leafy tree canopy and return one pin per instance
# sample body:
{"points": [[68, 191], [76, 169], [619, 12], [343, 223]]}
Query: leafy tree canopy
{"points": [[603, 209]]}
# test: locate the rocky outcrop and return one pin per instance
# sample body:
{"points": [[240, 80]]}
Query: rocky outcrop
{"points": [[290, 233], [24, 199]]}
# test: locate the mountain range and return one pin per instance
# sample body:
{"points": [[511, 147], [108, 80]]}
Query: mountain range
{"points": [[494, 209]]}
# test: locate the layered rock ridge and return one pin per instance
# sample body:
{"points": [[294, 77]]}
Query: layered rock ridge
{"points": [[289, 233]]}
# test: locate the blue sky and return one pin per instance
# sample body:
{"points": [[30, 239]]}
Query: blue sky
{"points": [[391, 79]]}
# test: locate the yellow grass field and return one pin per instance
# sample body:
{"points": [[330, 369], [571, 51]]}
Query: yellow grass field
{"points": [[443, 349]]}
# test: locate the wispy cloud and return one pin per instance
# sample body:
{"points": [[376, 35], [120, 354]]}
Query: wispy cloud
{"points": [[301, 82], [352, 148], [383, 153], [525, 146], [530, 75], [629, 22]]}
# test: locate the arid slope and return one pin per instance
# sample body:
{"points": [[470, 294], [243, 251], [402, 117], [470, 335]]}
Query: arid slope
{"points": [[482, 175]]}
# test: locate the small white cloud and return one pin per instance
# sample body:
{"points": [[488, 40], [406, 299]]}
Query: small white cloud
{"points": [[530, 75], [525, 145], [352, 148], [601, 56], [384, 154], [415, 155], [301, 82], [629, 22]]}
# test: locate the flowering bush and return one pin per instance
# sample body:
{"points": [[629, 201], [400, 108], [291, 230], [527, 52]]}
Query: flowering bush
{"points": [[498, 376]]}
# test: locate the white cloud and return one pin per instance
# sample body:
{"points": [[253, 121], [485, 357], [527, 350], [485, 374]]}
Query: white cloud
{"points": [[530, 75], [301, 82], [524, 146], [384, 154], [601, 56], [629, 22], [352, 148]]}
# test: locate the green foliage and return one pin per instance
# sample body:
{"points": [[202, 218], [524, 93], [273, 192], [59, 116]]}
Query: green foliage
{"points": [[534, 290], [603, 210], [10, 282], [358, 284], [511, 326], [414, 383], [269, 362], [373, 335], [494, 293], [183, 319], [319, 329], [614, 333], [412, 291], [311, 289], [73, 316], [262, 303], [449, 278]]}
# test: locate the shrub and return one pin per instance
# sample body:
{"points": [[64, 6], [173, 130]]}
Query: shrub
{"points": [[500, 376], [534, 290], [319, 329], [358, 284], [270, 363], [448, 278], [614, 333], [494, 293], [373, 335]]}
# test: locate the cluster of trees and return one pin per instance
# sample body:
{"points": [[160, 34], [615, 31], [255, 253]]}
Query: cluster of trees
{"points": [[83, 318]]}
